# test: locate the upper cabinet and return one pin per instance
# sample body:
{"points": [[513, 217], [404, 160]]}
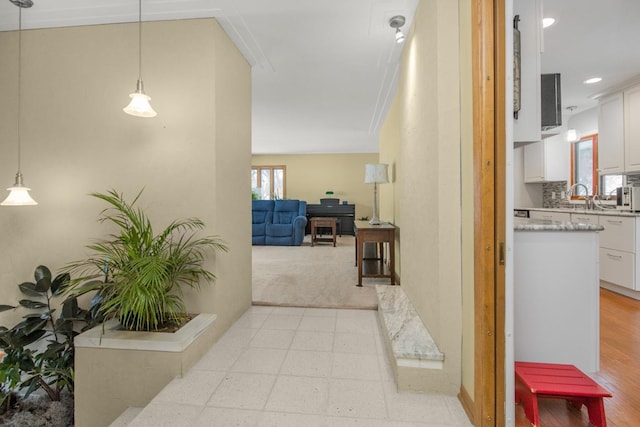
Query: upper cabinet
{"points": [[619, 132], [632, 129], [611, 135], [527, 127], [546, 160]]}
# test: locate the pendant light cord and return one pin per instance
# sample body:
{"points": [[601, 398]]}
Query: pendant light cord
{"points": [[19, 83], [139, 40]]}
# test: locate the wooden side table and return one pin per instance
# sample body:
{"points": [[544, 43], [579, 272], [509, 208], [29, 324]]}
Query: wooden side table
{"points": [[380, 234], [328, 222]]}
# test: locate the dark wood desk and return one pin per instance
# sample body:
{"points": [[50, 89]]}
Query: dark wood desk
{"points": [[327, 222], [379, 234]]}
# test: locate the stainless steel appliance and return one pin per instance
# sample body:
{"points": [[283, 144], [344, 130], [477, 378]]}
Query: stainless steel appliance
{"points": [[628, 198]]}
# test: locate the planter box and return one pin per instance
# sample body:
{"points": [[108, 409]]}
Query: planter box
{"points": [[121, 369]]}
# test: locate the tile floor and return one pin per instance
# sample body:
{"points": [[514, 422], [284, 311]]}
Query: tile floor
{"points": [[282, 366]]}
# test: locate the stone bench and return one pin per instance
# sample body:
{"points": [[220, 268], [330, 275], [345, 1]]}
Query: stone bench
{"points": [[416, 360]]}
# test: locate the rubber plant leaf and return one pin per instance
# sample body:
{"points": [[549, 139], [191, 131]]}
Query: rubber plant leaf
{"points": [[42, 272], [31, 338], [29, 289], [44, 284], [59, 283], [32, 304], [4, 307]]}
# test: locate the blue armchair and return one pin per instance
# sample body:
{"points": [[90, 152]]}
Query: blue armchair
{"points": [[278, 222]]}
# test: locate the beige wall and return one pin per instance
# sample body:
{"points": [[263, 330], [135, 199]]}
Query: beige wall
{"points": [[192, 159], [428, 185], [310, 176]]}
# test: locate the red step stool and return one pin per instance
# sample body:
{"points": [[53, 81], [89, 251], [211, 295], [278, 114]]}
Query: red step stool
{"points": [[552, 380]]}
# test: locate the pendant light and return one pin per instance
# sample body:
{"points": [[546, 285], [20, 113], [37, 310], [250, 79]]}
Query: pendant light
{"points": [[139, 105], [572, 135], [19, 194]]}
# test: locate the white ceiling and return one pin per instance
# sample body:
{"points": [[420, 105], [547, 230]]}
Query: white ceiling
{"points": [[591, 38], [324, 71]]}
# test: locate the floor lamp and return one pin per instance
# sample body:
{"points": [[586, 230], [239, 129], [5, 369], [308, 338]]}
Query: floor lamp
{"points": [[375, 173]]}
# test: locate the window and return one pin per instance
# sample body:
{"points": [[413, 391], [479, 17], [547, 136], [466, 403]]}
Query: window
{"points": [[584, 166], [584, 161], [268, 182]]}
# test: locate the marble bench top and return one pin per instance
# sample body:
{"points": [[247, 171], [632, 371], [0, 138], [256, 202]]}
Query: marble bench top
{"points": [[409, 338]]}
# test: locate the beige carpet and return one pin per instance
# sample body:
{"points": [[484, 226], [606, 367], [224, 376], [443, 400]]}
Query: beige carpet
{"points": [[305, 276]]}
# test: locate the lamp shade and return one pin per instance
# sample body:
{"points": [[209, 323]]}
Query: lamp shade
{"points": [[572, 135], [376, 173]]}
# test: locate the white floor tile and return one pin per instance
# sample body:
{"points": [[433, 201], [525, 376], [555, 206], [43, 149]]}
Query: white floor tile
{"points": [[356, 422], [260, 360], [289, 311], [283, 419], [324, 312], [282, 321], [309, 340], [355, 366], [302, 395], [195, 388], [167, 414], [286, 366], [351, 342], [228, 417], [272, 338], [307, 364], [243, 391], [317, 323], [357, 399], [357, 324]]}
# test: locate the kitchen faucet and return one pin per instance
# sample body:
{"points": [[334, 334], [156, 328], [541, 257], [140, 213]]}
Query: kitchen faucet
{"points": [[587, 200]]}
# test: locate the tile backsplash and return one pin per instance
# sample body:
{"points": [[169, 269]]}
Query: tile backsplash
{"points": [[548, 191]]}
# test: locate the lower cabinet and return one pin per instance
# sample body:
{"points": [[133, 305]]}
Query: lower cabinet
{"points": [[618, 248], [552, 216], [617, 267]]}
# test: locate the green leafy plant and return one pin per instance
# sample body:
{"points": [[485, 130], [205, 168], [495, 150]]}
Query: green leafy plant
{"points": [[26, 365], [138, 276]]}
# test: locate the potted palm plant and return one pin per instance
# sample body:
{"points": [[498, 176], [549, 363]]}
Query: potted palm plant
{"points": [[137, 275]]}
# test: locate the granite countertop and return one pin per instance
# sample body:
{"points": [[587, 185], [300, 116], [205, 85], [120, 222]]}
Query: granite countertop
{"points": [[582, 211], [530, 224]]}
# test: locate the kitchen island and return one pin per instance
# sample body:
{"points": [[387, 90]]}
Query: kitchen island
{"points": [[556, 293], [619, 244]]}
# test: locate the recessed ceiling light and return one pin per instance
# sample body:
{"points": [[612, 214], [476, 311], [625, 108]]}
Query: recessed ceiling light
{"points": [[592, 80], [547, 22]]}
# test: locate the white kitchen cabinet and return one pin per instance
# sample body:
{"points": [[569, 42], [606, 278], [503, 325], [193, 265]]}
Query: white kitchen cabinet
{"points": [[611, 135], [528, 126], [546, 160], [617, 251], [632, 129], [584, 218], [551, 216]]}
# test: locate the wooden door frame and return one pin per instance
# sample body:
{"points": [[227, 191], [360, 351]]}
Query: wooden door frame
{"points": [[489, 166]]}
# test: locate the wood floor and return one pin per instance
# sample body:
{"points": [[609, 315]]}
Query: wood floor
{"points": [[619, 370]]}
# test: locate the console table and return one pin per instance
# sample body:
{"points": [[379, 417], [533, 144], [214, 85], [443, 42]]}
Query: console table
{"points": [[344, 214], [379, 234]]}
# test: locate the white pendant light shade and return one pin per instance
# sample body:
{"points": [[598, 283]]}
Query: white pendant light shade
{"points": [[19, 194], [572, 135], [139, 105], [399, 36]]}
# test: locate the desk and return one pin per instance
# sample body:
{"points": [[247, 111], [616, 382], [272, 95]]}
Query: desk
{"points": [[323, 222], [380, 234]]}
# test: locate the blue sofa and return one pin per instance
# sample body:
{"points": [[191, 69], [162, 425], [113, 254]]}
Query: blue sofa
{"points": [[278, 222]]}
